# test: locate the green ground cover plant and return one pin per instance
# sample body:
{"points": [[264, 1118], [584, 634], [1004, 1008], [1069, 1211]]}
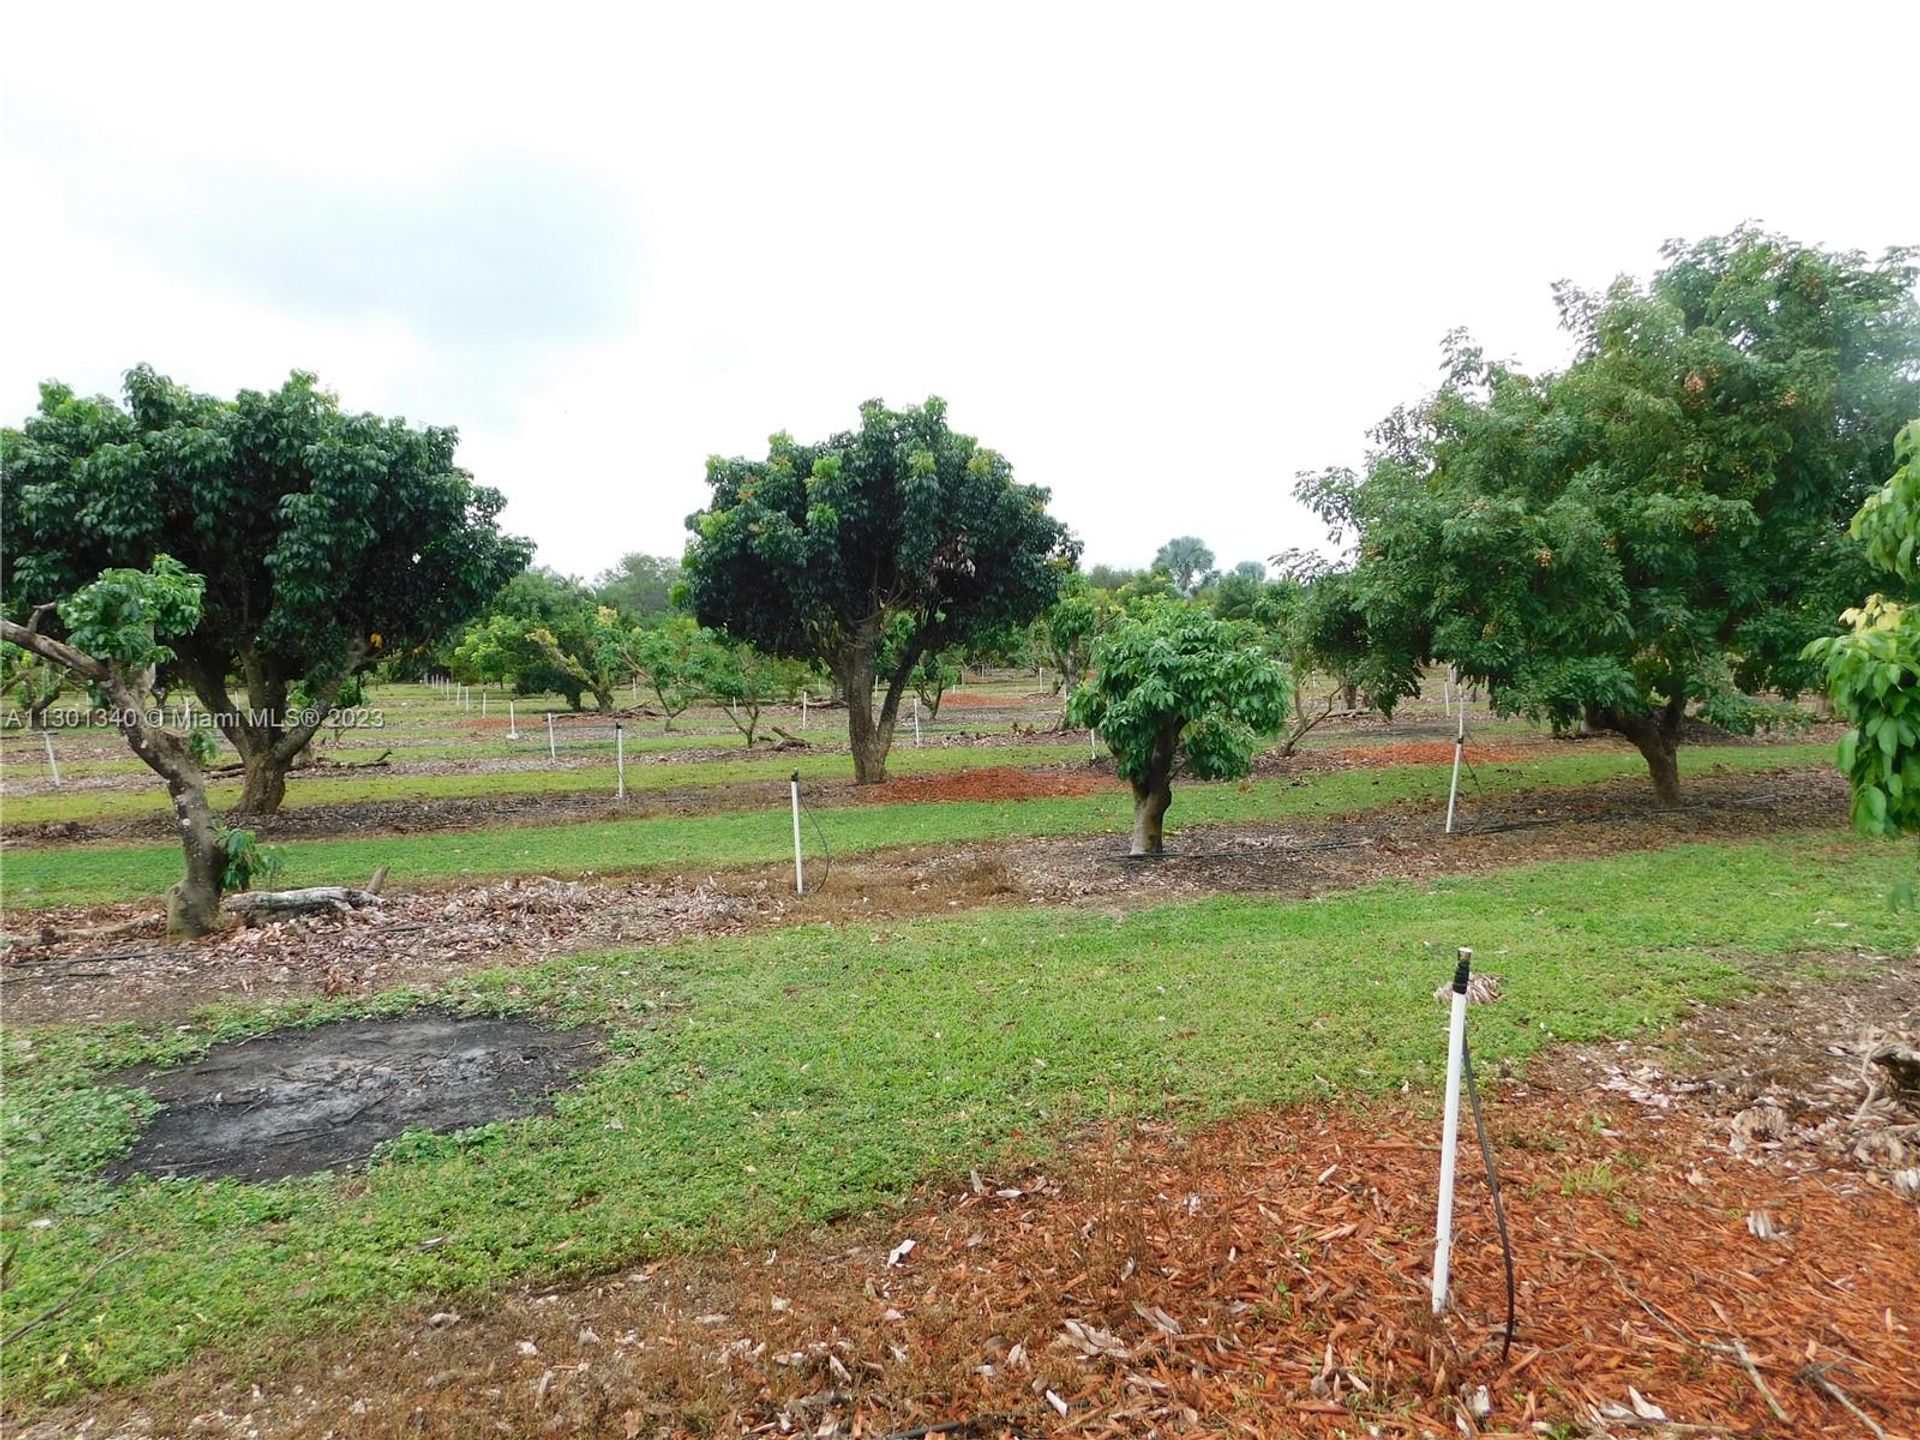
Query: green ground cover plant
{"points": [[765, 1081]]}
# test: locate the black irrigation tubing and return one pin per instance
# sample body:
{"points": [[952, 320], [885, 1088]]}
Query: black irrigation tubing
{"points": [[1604, 817], [1493, 1183]]}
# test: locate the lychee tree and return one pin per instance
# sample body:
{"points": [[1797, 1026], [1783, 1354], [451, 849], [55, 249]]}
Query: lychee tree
{"points": [[1662, 527], [903, 537], [327, 541], [1176, 690]]}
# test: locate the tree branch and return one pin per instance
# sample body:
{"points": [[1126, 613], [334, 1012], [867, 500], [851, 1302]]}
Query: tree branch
{"points": [[47, 648]]}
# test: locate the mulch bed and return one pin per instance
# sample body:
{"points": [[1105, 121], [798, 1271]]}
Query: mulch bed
{"points": [[996, 700]]}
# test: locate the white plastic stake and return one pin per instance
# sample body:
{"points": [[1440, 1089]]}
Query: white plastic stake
{"points": [[1450, 1130], [483, 704], [513, 730], [803, 708], [916, 722], [552, 754], [620, 759], [52, 764], [1093, 744], [1459, 750], [799, 874]]}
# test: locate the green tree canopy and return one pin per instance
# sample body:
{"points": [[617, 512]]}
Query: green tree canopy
{"points": [[1110, 577], [1873, 668], [1176, 687], [1063, 636], [640, 586], [813, 553], [1185, 560], [326, 539], [1662, 524]]}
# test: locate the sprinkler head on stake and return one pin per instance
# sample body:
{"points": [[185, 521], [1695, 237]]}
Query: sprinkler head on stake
{"points": [[1463, 972]]}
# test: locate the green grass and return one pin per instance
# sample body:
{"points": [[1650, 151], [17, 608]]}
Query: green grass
{"points": [[642, 776], [789, 1076], [91, 874]]}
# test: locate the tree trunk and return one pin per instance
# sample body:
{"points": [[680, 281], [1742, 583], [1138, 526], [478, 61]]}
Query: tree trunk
{"points": [[869, 734], [1153, 795], [871, 738], [264, 784], [1150, 803], [193, 903], [1656, 735], [1663, 763]]}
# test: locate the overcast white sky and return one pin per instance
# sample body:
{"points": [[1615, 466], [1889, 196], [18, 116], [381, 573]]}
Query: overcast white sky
{"points": [[1161, 257]]}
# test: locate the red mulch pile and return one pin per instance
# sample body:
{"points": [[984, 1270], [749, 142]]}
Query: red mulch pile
{"points": [[989, 782], [1266, 1278], [1432, 752]]}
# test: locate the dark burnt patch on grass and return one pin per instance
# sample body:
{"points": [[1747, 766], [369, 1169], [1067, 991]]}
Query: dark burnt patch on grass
{"points": [[291, 1102]]}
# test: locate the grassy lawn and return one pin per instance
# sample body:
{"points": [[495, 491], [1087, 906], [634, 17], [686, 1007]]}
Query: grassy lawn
{"points": [[783, 1077], [570, 778], [87, 874]]}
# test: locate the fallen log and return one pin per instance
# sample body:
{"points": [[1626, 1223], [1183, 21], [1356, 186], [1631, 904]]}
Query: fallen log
{"points": [[315, 900]]}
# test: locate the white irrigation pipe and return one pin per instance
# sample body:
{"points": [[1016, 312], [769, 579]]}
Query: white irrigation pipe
{"points": [[483, 704], [1450, 1130], [620, 759], [553, 755], [1093, 741], [799, 874], [803, 708], [513, 730], [52, 764], [1459, 752], [916, 722]]}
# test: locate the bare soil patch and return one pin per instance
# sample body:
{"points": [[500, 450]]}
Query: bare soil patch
{"points": [[427, 936], [1267, 1276], [292, 1102]]}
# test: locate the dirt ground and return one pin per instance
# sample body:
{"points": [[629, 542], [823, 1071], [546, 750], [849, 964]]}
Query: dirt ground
{"points": [[291, 1102], [427, 936], [1267, 1276]]}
